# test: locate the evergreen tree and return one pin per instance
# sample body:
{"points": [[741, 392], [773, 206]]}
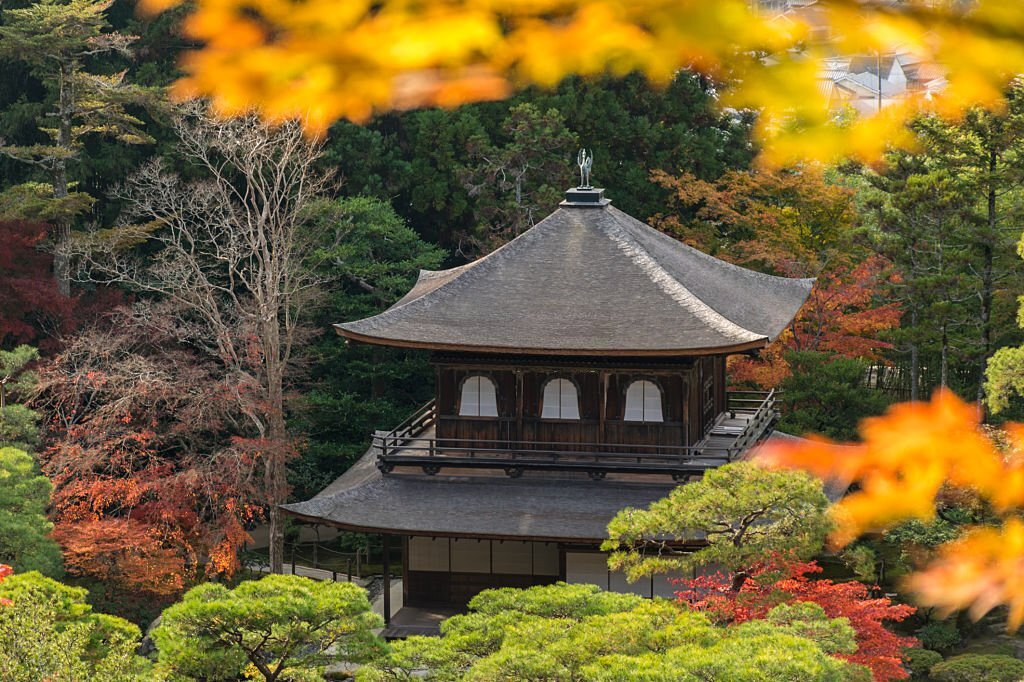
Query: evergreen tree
{"points": [[516, 184], [57, 40], [25, 542], [372, 258], [18, 423], [826, 395]]}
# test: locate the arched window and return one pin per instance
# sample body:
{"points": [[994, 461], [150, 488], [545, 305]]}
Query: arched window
{"points": [[560, 400], [479, 398], [643, 402]]}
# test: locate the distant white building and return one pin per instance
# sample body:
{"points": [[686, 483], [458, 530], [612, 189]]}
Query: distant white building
{"points": [[866, 83]]}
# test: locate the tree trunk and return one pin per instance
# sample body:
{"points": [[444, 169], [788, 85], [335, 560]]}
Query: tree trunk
{"points": [[987, 284], [944, 364], [276, 482], [59, 179], [276, 474], [915, 361]]}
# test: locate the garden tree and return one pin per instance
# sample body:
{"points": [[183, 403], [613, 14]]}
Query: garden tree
{"points": [[1004, 376], [777, 581], [154, 475], [416, 159], [825, 395], [49, 632], [233, 253], [846, 315], [372, 257], [743, 511], [578, 632], [281, 627], [984, 151], [634, 127], [515, 184], [909, 457], [395, 55], [18, 422], [922, 226], [795, 222], [968, 667], [57, 39], [25, 542], [790, 221], [946, 218]]}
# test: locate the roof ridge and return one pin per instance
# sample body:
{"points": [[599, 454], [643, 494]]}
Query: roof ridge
{"points": [[724, 264], [401, 307], [675, 289]]}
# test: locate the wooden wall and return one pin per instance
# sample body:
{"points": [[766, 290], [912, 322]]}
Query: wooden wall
{"points": [[442, 571], [693, 394]]}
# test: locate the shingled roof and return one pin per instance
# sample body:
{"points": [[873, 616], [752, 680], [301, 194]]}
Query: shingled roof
{"points": [[589, 280], [565, 507], [541, 507]]}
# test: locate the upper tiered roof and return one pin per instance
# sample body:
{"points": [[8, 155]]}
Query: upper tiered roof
{"points": [[589, 280]]}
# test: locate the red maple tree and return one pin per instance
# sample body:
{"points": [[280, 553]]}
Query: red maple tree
{"points": [[5, 571], [152, 485], [33, 311], [843, 315], [778, 581]]}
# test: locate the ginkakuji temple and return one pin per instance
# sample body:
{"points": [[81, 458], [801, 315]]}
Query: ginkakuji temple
{"points": [[580, 369]]}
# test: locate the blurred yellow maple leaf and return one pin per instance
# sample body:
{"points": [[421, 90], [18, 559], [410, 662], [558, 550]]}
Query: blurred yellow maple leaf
{"points": [[904, 460], [978, 572], [321, 60]]}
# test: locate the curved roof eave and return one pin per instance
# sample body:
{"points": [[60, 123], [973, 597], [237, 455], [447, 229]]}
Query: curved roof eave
{"points": [[646, 352]]}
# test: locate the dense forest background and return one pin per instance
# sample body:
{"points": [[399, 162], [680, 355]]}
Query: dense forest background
{"points": [[918, 275]]}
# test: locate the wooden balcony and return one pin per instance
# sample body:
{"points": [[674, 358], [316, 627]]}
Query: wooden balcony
{"points": [[414, 443]]}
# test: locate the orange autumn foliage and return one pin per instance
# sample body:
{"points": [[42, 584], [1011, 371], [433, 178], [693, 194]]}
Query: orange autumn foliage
{"points": [[906, 459], [151, 491]]}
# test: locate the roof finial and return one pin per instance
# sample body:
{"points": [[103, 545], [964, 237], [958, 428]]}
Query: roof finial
{"points": [[585, 160]]}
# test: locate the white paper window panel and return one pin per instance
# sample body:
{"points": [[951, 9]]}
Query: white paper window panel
{"points": [[560, 400], [471, 556], [479, 398], [590, 568], [545, 559], [514, 558], [643, 403], [488, 398], [617, 583], [428, 554]]}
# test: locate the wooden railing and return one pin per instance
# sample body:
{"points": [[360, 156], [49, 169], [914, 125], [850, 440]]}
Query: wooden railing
{"points": [[409, 445], [763, 411]]}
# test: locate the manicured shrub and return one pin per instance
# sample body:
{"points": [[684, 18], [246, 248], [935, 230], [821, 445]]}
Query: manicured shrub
{"points": [[919, 662], [940, 635], [978, 668]]}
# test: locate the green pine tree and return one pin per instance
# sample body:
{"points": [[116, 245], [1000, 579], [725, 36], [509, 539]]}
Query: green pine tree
{"points": [[57, 39]]}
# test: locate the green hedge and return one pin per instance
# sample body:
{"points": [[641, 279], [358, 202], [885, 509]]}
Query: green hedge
{"points": [[920, 661], [979, 668]]}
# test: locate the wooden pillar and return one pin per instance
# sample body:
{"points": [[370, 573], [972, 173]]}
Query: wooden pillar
{"points": [[385, 540], [604, 409], [519, 405]]}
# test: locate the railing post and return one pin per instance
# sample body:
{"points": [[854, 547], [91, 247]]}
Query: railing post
{"points": [[385, 541]]}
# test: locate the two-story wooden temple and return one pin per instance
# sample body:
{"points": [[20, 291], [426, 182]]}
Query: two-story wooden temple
{"points": [[580, 370]]}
